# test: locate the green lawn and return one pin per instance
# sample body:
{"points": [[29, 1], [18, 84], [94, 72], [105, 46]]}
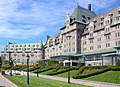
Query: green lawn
{"points": [[40, 82], [72, 73], [110, 77]]}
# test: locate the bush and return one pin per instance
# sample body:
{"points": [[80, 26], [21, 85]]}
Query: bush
{"points": [[61, 69], [44, 69], [99, 70], [34, 68], [6, 67]]}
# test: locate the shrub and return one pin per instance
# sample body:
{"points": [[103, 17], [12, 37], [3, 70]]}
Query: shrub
{"points": [[98, 70], [44, 69], [34, 68], [61, 69]]}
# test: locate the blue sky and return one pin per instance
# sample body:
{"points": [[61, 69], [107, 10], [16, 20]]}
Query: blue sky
{"points": [[29, 21]]}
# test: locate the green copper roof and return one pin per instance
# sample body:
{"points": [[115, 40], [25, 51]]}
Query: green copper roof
{"points": [[26, 45], [82, 14], [97, 52]]}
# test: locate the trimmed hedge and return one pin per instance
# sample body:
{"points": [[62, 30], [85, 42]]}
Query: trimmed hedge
{"points": [[96, 72], [61, 69], [6, 67], [34, 68], [16, 67], [44, 69]]}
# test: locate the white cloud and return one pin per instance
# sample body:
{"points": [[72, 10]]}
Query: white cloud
{"points": [[20, 16], [20, 34]]}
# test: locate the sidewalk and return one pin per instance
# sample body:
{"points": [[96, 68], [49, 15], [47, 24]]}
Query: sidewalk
{"points": [[4, 82], [79, 81]]}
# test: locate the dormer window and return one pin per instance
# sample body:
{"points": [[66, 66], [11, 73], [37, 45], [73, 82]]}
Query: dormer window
{"points": [[88, 18], [110, 14], [102, 18], [83, 21], [84, 16], [119, 12]]}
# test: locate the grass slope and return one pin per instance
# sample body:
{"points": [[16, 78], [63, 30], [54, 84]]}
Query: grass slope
{"points": [[40, 82], [110, 77]]}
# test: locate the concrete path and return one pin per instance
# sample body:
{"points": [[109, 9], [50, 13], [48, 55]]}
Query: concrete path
{"points": [[4, 82], [78, 81]]}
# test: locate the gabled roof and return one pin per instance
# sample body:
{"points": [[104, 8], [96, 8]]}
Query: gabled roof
{"points": [[81, 14]]}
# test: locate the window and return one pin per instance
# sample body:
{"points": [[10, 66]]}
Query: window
{"points": [[117, 43], [99, 46], [107, 37], [91, 40], [117, 18], [88, 18], [91, 47], [117, 27], [117, 35], [84, 16], [107, 45], [118, 12], [84, 36], [99, 39], [91, 34], [73, 49], [102, 18], [28, 48], [84, 49], [83, 21], [84, 42], [107, 29], [101, 24]]}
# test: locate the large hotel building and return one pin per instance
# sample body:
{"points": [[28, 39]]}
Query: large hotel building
{"points": [[92, 39]]}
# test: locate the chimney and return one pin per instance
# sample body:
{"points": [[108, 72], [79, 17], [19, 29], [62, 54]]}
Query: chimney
{"points": [[48, 37], [89, 7]]}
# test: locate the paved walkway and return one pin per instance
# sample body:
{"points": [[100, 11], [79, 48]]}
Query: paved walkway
{"points": [[5, 82], [78, 81]]}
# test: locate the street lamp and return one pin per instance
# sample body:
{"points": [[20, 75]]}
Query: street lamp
{"points": [[11, 64], [68, 37], [37, 69], [28, 69], [9, 52], [0, 63]]}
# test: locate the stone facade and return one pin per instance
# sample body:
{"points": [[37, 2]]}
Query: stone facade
{"points": [[69, 39], [18, 52]]}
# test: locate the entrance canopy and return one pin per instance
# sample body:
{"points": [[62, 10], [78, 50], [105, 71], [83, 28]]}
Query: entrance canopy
{"points": [[111, 55]]}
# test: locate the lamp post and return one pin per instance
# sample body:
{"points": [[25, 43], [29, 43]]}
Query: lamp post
{"points": [[11, 64], [28, 82], [10, 59], [69, 57], [37, 69], [0, 63]]}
